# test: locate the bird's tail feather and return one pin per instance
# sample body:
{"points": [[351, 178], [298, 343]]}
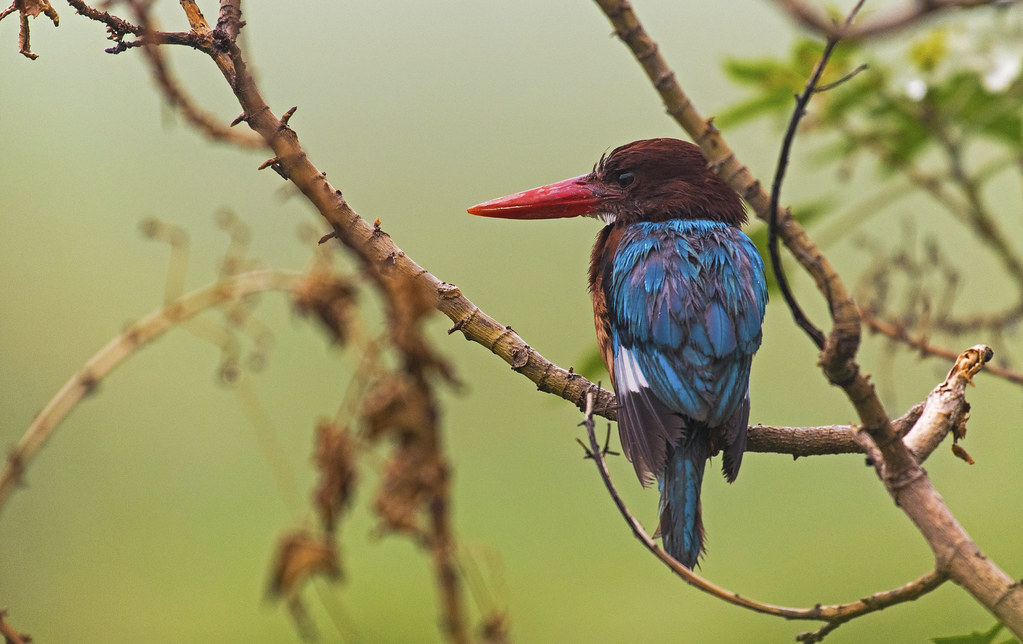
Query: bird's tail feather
{"points": [[681, 524]]}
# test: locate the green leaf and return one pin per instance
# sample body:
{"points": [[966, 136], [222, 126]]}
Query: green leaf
{"points": [[757, 72], [963, 100], [1006, 128], [776, 81]]}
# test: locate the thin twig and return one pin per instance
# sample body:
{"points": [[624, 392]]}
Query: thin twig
{"points": [[10, 635], [833, 615], [118, 27], [802, 100], [827, 87], [921, 344], [126, 344]]}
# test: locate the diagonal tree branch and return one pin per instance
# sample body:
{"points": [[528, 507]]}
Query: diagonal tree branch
{"points": [[375, 247]]}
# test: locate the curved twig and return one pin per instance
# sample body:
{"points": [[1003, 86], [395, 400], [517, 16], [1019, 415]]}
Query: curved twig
{"points": [[802, 100], [834, 614], [122, 347]]}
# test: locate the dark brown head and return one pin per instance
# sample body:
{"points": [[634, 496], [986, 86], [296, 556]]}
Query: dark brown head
{"points": [[649, 180]]}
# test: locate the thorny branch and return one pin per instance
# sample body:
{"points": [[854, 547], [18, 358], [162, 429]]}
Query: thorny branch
{"points": [[418, 473]]}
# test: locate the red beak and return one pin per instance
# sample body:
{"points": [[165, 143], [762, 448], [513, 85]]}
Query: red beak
{"points": [[568, 198]]}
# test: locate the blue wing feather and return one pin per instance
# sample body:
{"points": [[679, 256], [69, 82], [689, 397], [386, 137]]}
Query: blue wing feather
{"points": [[686, 301]]}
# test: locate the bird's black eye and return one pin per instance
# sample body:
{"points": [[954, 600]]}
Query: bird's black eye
{"points": [[625, 179]]}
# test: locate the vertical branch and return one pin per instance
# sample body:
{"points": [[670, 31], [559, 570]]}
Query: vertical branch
{"points": [[443, 547], [802, 100]]}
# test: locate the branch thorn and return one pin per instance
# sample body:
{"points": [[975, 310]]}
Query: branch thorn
{"points": [[287, 115]]}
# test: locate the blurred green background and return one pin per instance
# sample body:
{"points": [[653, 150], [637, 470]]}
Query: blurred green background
{"points": [[152, 514]]}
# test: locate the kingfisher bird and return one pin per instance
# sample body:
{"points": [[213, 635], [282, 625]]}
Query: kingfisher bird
{"points": [[678, 303]]}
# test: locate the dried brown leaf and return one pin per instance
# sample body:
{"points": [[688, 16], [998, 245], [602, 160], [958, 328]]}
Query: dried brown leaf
{"points": [[335, 459], [409, 484], [300, 555], [33, 8], [962, 454], [494, 628], [411, 301], [331, 299], [29, 9]]}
